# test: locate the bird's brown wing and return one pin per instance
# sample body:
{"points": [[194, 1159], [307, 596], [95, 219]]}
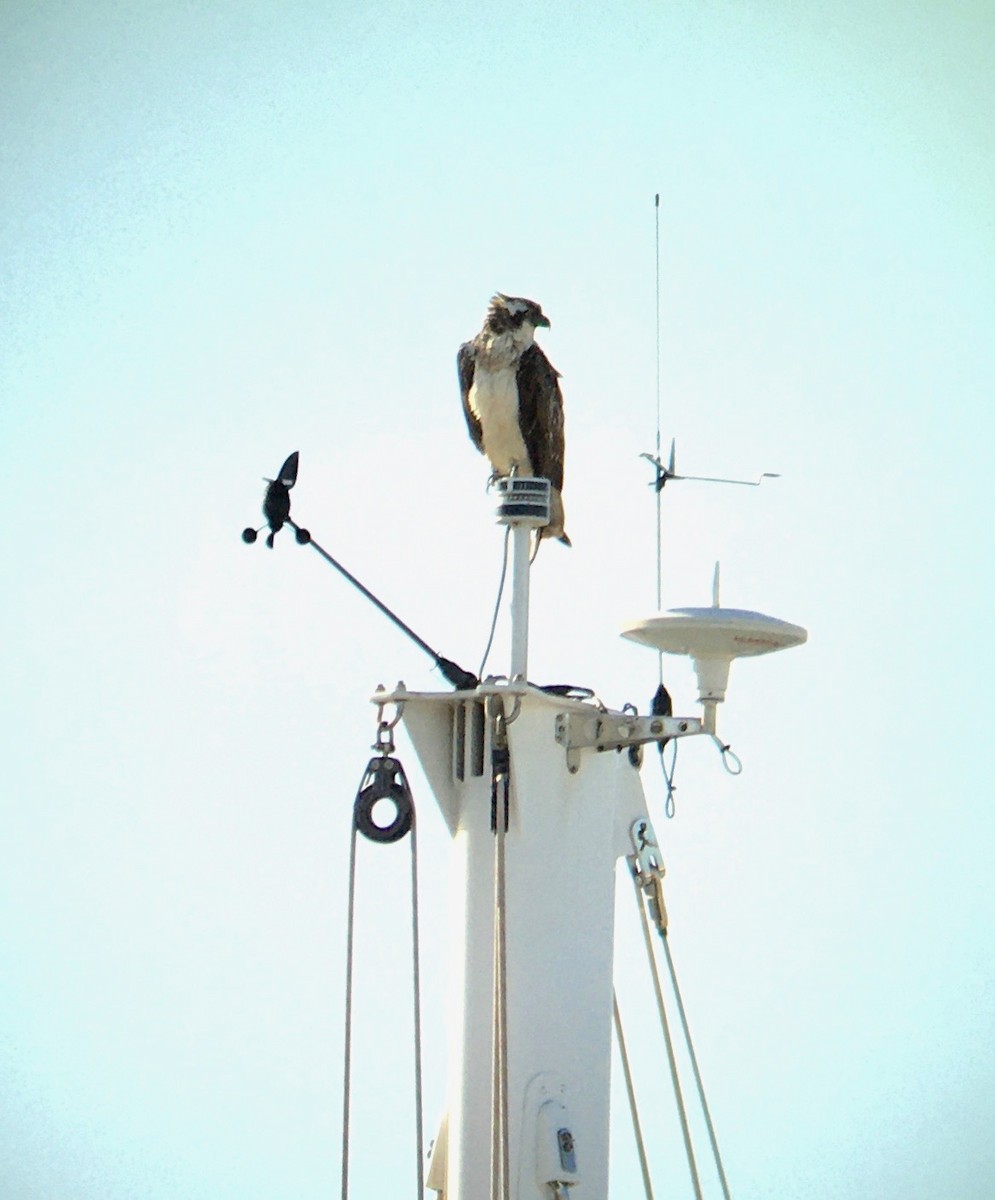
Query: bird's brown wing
{"points": [[465, 364], [541, 414]]}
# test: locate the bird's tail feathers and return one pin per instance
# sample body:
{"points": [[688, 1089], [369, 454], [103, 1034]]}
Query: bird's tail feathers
{"points": [[540, 536]]}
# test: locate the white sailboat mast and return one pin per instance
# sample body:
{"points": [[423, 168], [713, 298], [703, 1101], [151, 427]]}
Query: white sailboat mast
{"points": [[569, 815], [532, 897]]}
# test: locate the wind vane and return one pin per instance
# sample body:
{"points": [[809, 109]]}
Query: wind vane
{"points": [[665, 473], [276, 505], [276, 510]]}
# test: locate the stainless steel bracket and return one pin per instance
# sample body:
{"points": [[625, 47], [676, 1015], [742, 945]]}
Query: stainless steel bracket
{"points": [[648, 870], [576, 731]]}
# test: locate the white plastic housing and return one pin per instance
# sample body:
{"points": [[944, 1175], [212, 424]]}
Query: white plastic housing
{"points": [[712, 638], [715, 633]]}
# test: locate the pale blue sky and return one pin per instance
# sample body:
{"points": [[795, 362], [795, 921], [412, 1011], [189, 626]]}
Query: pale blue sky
{"points": [[229, 231]]}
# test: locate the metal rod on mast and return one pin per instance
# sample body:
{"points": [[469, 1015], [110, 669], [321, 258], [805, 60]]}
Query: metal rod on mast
{"points": [[520, 568], [500, 1155], [524, 507], [530, 1054]]}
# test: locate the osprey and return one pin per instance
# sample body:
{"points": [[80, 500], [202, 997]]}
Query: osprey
{"points": [[512, 400]]}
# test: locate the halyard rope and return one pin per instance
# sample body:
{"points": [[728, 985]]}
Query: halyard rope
{"points": [[363, 823]]}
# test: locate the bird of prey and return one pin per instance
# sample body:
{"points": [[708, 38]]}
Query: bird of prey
{"points": [[512, 400]]}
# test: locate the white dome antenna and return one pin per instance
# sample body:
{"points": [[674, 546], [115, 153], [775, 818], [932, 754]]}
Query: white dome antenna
{"points": [[712, 638]]}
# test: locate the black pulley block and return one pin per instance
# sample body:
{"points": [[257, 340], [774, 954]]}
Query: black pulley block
{"points": [[386, 782]]}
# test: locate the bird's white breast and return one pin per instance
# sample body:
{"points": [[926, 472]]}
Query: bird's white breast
{"points": [[493, 400]]}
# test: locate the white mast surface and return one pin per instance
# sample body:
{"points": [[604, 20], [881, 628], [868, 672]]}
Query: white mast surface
{"points": [[570, 812], [566, 831]]}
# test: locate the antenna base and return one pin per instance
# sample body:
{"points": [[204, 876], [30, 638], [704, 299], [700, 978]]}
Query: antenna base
{"points": [[712, 638]]}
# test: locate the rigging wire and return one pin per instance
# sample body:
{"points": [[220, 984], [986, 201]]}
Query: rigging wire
{"points": [[665, 1025], [637, 1128], [694, 1067], [648, 882]]}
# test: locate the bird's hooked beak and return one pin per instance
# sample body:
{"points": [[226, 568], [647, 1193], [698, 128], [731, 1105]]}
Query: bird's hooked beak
{"points": [[542, 321]]}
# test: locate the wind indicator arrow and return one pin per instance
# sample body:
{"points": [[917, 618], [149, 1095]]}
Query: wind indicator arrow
{"points": [[668, 472]]}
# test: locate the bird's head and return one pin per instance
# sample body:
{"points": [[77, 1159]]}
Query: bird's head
{"points": [[512, 313]]}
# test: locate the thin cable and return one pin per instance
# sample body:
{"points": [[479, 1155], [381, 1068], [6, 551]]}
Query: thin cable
{"points": [[347, 1057], [497, 602], [670, 806], [675, 1078], [730, 759], [631, 1093], [694, 1067], [416, 981]]}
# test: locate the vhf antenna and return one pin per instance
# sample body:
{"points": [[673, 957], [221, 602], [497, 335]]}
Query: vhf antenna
{"points": [[276, 510], [661, 704], [668, 471]]}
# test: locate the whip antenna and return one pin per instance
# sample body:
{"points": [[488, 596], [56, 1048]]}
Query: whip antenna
{"points": [[668, 471], [659, 497]]}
